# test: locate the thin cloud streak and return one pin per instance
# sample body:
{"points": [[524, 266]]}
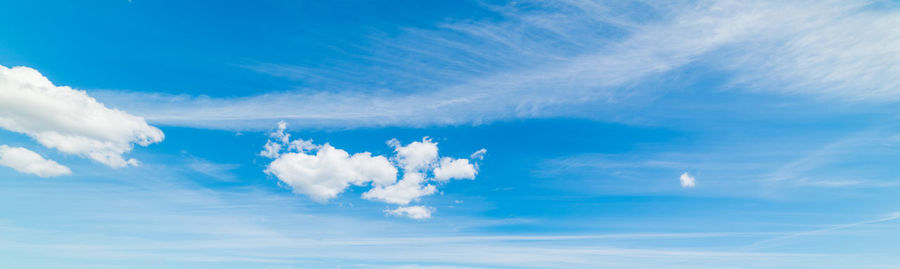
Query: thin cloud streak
{"points": [[541, 65], [180, 223], [782, 239]]}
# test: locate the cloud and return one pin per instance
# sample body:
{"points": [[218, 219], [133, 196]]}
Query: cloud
{"points": [[454, 168], [780, 239], [69, 120], [322, 172], [273, 147], [478, 155], [582, 59], [413, 212], [410, 188], [417, 159], [27, 161], [415, 156], [844, 50], [687, 181], [329, 171], [209, 229]]}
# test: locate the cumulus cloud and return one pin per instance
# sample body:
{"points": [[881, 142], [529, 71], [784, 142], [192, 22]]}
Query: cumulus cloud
{"points": [[69, 120], [416, 156], [322, 172], [454, 168], [417, 159], [413, 212], [687, 181], [329, 171], [29, 162], [408, 189], [278, 138]]}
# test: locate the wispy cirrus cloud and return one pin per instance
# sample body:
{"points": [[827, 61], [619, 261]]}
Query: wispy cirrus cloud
{"points": [[186, 225], [567, 58], [205, 229], [771, 242]]}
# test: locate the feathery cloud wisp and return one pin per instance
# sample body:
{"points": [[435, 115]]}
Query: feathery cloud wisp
{"points": [[546, 59]]}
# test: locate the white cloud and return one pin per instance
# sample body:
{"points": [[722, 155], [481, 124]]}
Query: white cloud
{"points": [[413, 212], [416, 159], [329, 171], [450, 168], [27, 161], [687, 181], [407, 190], [272, 149], [478, 155], [416, 156], [323, 172], [548, 59], [844, 50], [69, 120]]}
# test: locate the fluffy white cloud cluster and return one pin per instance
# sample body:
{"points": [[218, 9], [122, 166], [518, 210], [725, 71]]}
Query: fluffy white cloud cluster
{"points": [[69, 120], [27, 161], [323, 171]]}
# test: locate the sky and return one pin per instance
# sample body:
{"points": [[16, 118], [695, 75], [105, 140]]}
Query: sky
{"points": [[449, 134]]}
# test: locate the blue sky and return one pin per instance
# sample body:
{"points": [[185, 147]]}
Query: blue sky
{"points": [[452, 134]]}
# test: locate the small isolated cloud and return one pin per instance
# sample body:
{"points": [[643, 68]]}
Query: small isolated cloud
{"points": [[322, 172], [413, 212], [687, 181], [454, 168], [69, 120], [478, 155], [29, 162]]}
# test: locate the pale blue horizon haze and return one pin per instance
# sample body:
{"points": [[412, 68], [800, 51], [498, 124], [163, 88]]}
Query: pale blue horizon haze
{"points": [[449, 134]]}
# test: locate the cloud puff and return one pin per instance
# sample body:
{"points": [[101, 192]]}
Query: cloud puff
{"points": [[687, 181], [408, 189], [413, 212], [329, 171], [454, 168], [322, 172], [417, 159], [69, 120], [27, 161], [416, 156]]}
